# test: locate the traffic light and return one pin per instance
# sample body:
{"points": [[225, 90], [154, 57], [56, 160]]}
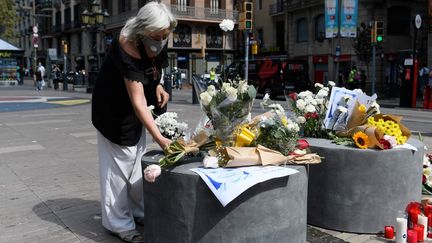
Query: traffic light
{"points": [[379, 31], [246, 16]]}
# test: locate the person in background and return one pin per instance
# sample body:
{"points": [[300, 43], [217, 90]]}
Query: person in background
{"points": [[213, 76], [128, 82], [177, 77], [57, 76], [41, 69], [353, 79]]}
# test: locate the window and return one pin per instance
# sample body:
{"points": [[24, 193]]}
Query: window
{"points": [[261, 38], [77, 13], [124, 6], [398, 21], [319, 27], [302, 30], [107, 4], [259, 7]]}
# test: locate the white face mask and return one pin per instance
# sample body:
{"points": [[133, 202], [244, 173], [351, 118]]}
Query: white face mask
{"points": [[154, 46]]}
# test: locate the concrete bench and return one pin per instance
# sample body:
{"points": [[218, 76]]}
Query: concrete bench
{"points": [[179, 207], [361, 191]]}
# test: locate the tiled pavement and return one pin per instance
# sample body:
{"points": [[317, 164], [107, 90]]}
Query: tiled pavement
{"points": [[49, 189]]}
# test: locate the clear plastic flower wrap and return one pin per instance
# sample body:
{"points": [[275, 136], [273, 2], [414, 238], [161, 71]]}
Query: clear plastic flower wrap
{"points": [[227, 108]]}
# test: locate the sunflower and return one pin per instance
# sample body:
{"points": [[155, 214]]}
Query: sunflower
{"points": [[361, 140]]}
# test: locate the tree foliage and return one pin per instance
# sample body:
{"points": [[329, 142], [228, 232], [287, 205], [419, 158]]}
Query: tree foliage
{"points": [[362, 44], [8, 19]]}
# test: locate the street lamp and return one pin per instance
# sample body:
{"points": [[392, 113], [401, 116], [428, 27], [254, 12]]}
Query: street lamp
{"points": [[92, 19]]}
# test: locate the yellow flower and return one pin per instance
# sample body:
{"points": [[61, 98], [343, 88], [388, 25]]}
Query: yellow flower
{"points": [[284, 121], [362, 108], [371, 120], [361, 140]]}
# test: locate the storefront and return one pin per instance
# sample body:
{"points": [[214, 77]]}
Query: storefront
{"points": [[11, 66]]}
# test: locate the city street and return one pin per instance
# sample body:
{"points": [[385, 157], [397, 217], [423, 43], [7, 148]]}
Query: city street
{"points": [[49, 183]]}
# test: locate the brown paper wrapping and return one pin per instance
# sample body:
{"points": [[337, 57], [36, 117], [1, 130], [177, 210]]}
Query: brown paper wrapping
{"points": [[374, 134], [405, 131], [260, 155], [357, 117]]}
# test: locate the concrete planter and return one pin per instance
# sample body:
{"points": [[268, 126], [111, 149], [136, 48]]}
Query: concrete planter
{"points": [[361, 191], [179, 207]]}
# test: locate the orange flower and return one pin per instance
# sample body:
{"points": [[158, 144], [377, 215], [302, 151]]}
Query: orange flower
{"points": [[361, 140]]}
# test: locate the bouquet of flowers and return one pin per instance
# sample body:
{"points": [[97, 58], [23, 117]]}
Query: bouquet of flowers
{"points": [[310, 110], [276, 131], [228, 107], [169, 126], [427, 174]]}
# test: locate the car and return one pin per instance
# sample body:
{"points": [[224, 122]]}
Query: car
{"points": [[274, 75]]}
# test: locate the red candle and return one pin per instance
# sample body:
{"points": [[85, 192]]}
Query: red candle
{"points": [[419, 228], [389, 232], [428, 210], [429, 226], [412, 236]]}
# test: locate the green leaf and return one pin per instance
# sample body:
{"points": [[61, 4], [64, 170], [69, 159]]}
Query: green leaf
{"points": [[252, 91]]}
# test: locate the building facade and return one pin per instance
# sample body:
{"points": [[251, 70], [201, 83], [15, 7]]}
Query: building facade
{"points": [[196, 45], [297, 28]]}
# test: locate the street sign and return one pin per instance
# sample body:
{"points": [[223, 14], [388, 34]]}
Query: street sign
{"points": [[418, 21]]}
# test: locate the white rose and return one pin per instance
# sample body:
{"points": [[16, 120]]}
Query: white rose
{"points": [[231, 93], [226, 25], [319, 85], [322, 93], [151, 172], [266, 98], [331, 83], [210, 162], [292, 126], [211, 90], [319, 101], [243, 87], [300, 104], [225, 86], [301, 119], [205, 98], [391, 140], [304, 94], [310, 108]]}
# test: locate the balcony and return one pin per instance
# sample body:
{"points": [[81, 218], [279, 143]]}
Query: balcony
{"points": [[44, 5], [206, 14], [295, 5], [181, 13], [278, 8]]}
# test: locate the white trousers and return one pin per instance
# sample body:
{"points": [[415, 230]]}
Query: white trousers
{"points": [[121, 183]]}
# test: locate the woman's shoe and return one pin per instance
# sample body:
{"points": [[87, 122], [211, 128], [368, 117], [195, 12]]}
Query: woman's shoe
{"points": [[131, 236]]}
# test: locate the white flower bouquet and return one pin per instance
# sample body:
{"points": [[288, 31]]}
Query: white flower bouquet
{"points": [[310, 109], [168, 125], [228, 107]]}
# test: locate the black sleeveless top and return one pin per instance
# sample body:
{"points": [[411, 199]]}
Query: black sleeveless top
{"points": [[112, 111]]}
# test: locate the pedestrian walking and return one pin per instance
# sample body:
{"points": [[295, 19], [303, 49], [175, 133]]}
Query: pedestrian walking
{"points": [[177, 76], [40, 83], [127, 83], [353, 79], [57, 76]]}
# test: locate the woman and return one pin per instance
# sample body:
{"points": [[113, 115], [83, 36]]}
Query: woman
{"points": [[127, 83]]}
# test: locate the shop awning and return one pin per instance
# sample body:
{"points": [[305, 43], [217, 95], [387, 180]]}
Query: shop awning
{"points": [[6, 46]]}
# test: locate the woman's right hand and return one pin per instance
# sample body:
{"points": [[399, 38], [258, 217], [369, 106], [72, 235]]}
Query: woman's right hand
{"points": [[163, 142]]}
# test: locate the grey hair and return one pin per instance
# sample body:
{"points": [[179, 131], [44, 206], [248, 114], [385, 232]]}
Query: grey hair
{"points": [[152, 17]]}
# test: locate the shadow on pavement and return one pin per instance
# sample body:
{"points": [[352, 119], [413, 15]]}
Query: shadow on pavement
{"points": [[81, 217]]}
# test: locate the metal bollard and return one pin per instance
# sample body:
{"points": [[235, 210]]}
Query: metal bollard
{"points": [[65, 82]]}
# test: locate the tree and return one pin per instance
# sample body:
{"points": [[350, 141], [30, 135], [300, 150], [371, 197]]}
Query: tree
{"points": [[8, 19], [362, 44]]}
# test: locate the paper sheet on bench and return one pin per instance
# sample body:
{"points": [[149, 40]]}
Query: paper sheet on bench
{"points": [[227, 184]]}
